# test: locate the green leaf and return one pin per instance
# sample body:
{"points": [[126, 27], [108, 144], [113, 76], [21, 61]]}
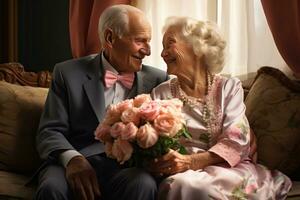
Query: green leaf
{"points": [[182, 150], [185, 132]]}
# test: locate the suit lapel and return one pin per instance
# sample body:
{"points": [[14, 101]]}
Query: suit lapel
{"points": [[94, 87], [140, 85]]}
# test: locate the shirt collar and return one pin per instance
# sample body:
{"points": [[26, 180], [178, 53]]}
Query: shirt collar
{"points": [[106, 65]]}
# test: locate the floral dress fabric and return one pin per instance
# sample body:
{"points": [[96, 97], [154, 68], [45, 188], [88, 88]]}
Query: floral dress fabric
{"points": [[227, 134]]}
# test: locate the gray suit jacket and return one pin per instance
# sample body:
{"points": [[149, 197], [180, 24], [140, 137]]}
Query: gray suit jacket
{"points": [[76, 104]]}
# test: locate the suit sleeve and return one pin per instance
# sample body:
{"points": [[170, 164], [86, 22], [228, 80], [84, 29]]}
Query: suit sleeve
{"points": [[234, 143], [53, 128]]}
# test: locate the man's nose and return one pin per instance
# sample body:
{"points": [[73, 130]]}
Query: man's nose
{"points": [[146, 51]]}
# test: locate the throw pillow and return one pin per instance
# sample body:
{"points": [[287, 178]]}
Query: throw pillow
{"points": [[273, 111], [20, 110]]}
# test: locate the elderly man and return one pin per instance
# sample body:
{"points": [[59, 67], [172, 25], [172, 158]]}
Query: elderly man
{"points": [[76, 167]]}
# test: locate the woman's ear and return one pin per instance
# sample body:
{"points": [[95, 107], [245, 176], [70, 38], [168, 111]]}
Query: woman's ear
{"points": [[108, 37]]}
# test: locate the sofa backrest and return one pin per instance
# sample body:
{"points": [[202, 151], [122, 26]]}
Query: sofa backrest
{"points": [[22, 97], [273, 111], [272, 106]]}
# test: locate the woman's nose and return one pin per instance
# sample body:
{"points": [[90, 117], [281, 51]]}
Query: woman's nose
{"points": [[163, 53]]}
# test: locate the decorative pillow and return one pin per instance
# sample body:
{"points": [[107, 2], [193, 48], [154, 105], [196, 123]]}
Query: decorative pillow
{"points": [[273, 111], [20, 110]]}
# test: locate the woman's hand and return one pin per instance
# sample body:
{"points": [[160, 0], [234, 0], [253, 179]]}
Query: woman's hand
{"points": [[174, 162], [170, 163]]}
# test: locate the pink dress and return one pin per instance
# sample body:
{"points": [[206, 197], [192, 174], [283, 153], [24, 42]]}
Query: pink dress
{"points": [[226, 133]]}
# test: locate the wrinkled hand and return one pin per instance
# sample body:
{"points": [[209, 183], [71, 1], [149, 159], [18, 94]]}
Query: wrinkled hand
{"points": [[170, 163], [82, 179]]}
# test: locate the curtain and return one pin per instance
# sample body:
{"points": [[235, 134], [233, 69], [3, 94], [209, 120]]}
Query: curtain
{"points": [[284, 20], [232, 19], [249, 41], [43, 34], [9, 31], [243, 23], [83, 24]]}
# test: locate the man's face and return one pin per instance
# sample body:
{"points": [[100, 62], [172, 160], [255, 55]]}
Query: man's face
{"points": [[128, 52]]}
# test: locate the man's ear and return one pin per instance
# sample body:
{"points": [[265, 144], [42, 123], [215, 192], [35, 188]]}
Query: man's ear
{"points": [[109, 37]]}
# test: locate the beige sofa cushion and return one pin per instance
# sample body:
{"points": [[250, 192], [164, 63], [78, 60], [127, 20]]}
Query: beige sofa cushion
{"points": [[273, 110], [20, 110], [12, 186]]}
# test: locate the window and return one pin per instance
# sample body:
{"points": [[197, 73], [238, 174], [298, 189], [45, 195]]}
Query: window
{"points": [[249, 41]]}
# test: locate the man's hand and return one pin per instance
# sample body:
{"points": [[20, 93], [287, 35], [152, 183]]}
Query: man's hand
{"points": [[82, 179]]}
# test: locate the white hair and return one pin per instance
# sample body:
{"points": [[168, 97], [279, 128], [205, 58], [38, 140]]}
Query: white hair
{"points": [[115, 18], [205, 39]]}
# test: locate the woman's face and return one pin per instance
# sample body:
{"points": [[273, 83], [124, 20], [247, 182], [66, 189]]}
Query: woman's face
{"points": [[177, 52]]}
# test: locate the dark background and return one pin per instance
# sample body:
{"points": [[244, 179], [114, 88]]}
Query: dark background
{"points": [[42, 33]]}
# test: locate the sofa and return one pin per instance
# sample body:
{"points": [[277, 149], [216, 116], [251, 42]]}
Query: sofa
{"points": [[273, 109]]}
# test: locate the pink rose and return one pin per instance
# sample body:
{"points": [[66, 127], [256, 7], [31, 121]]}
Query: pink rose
{"points": [[172, 107], [140, 99], [131, 115], [108, 149], [112, 115], [167, 124], [177, 103], [124, 105], [170, 110], [117, 129], [149, 111], [146, 136], [122, 150], [250, 188], [102, 133], [129, 132]]}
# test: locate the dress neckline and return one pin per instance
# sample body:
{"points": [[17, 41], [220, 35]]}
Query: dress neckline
{"points": [[204, 103], [191, 101]]}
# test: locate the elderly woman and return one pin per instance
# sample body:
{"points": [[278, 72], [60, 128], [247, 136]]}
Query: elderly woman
{"points": [[218, 164]]}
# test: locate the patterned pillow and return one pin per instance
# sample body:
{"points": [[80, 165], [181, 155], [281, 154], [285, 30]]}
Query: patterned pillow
{"points": [[20, 110], [273, 110]]}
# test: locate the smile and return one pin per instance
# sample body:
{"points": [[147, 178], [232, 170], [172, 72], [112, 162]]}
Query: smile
{"points": [[170, 60], [137, 57]]}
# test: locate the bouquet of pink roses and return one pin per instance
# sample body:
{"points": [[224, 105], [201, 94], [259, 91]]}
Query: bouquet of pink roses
{"points": [[140, 129]]}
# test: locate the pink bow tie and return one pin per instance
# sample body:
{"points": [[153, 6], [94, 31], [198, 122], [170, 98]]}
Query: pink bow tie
{"points": [[111, 78]]}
